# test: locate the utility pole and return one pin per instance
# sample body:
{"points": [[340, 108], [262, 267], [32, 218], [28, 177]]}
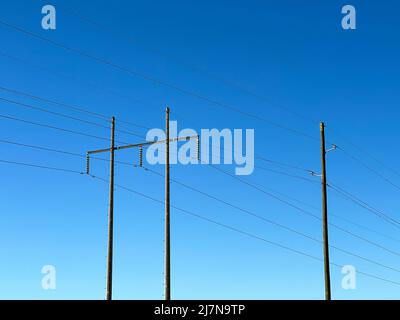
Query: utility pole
{"points": [[111, 215], [141, 145], [167, 275], [325, 216]]}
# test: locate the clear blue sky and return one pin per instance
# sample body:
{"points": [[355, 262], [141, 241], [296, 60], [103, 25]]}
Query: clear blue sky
{"points": [[294, 53]]}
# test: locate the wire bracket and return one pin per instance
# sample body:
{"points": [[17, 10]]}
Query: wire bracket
{"points": [[334, 147], [315, 174]]}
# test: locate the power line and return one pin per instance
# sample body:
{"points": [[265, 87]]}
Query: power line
{"points": [[190, 213], [205, 218], [75, 154], [248, 212], [123, 131], [369, 168], [266, 169], [229, 83], [287, 174], [365, 205], [368, 154], [290, 204], [311, 214], [163, 83], [281, 164], [332, 214], [349, 221], [80, 173], [252, 185], [365, 228], [230, 204], [51, 112], [53, 127], [277, 224], [175, 181], [249, 92], [268, 160], [257, 156], [236, 87], [305, 211], [299, 177], [223, 149], [41, 166], [129, 132], [42, 148], [29, 106], [180, 183], [155, 80], [65, 105], [70, 106]]}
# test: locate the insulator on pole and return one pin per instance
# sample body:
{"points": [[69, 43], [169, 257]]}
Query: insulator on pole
{"points": [[198, 147], [141, 156], [87, 163]]}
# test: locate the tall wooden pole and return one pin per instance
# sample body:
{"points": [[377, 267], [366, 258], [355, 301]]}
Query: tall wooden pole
{"points": [[325, 216], [167, 283], [110, 216], [112, 149]]}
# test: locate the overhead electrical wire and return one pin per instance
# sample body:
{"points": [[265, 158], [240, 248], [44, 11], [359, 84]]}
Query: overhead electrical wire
{"points": [[287, 174], [362, 150], [306, 212], [190, 213], [17, 119], [207, 73], [274, 222], [186, 92], [235, 86], [384, 178], [69, 153], [69, 106], [130, 164], [257, 156], [19, 29], [364, 205], [155, 80], [7, 89], [271, 195], [248, 212], [265, 192], [75, 79], [45, 110]]}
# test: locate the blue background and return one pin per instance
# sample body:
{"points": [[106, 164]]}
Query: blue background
{"points": [[294, 53]]}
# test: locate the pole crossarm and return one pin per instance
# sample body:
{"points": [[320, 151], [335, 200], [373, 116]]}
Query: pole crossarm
{"points": [[137, 145], [143, 144]]}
